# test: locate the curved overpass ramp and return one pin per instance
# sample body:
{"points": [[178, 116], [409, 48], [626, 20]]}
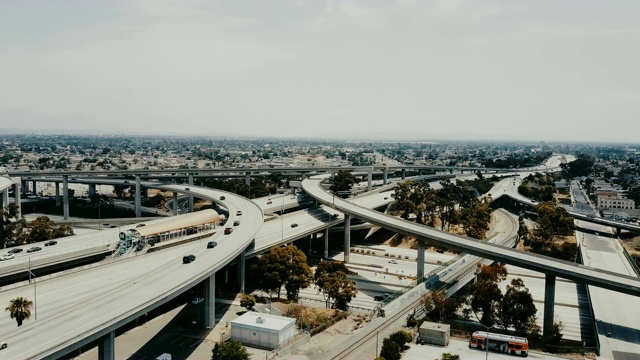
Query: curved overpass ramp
{"points": [[567, 270], [76, 309]]}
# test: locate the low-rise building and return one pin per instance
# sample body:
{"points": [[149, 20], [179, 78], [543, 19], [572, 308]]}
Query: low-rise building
{"points": [[611, 199], [263, 330]]}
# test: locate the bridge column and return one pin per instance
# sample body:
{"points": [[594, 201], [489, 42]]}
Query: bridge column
{"points": [[347, 237], [420, 259], [326, 243], [175, 203], [451, 171], [145, 193], [549, 297], [404, 174], [370, 179], [23, 187], [190, 196], [57, 193], [106, 347], [65, 196], [138, 202], [210, 302], [92, 189], [618, 231], [385, 173], [247, 178], [240, 261], [4, 199], [33, 186]]}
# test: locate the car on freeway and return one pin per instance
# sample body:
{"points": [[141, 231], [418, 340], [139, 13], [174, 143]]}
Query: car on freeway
{"points": [[8, 256], [386, 198], [236, 223], [393, 261], [141, 225], [238, 213], [188, 259], [294, 225], [197, 301], [335, 216], [228, 231], [34, 249], [125, 182], [211, 244], [188, 189], [50, 243], [222, 197], [381, 297], [15, 251]]}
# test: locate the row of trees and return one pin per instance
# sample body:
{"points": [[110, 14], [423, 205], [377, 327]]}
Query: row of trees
{"points": [[553, 223], [453, 205], [16, 230], [287, 267]]}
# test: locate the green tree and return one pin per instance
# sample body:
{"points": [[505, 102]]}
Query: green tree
{"points": [[230, 350], [486, 294], [19, 309], [41, 229], [582, 166], [438, 306], [518, 309], [343, 181], [283, 266], [390, 350], [12, 229], [331, 279], [248, 302], [475, 220]]}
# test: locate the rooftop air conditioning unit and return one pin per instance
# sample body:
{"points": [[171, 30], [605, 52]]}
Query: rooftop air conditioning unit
{"points": [[260, 320]]}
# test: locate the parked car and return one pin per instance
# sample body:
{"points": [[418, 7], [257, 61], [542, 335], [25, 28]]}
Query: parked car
{"points": [[381, 297], [15, 250], [197, 301], [7, 256], [188, 259], [294, 225], [211, 244], [34, 249], [238, 213], [228, 231], [50, 243], [236, 223]]}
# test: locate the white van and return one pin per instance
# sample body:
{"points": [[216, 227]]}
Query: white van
{"points": [[164, 356]]}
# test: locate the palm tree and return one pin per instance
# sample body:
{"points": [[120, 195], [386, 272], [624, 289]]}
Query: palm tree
{"points": [[19, 309]]}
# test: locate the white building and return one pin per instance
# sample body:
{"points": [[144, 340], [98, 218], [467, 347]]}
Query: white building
{"points": [[611, 199], [263, 330]]}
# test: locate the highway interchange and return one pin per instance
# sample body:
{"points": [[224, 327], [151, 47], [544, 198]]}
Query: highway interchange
{"points": [[146, 276]]}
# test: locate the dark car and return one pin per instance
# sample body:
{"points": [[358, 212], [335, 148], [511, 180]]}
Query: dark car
{"points": [[125, 182], [211, 244], [140, 225], [335, 216], [381, 297], [189, 258], [50, 243], [34, 249], [236, 223], [228, 230], [294, 225], [188, 189], [15, 251], [238, 213], [222, 197]]}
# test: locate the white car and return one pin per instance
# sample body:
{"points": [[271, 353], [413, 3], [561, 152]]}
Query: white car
{"points": [[393, 262], [197, 301], [7, 257]]}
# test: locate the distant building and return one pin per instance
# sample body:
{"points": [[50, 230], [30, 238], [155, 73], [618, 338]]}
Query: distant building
{"points": [[611, 199], [434, 333]]}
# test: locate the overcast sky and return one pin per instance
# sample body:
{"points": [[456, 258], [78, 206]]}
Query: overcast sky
{"points": [[523, 70]]}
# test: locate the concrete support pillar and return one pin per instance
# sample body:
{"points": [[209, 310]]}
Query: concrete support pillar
{"points": [[65, 196], [92, 189], [333, 175], [347, 237], [106, 347], [175, 203], [326, 243], [370, 179], [247, 178], [138, 202], [549, 298], [145, 193], [210, 302], [404, 174], [4, 199], [618, 231], [33, 187], [420, 260], [57, 193], [385, 174], [190, 196], [240, 263], [23, 187]]}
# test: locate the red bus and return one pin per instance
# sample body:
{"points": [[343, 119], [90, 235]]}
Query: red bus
{"points": [[501, 343]]}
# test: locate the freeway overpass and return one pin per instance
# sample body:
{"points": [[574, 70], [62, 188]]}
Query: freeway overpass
{"points": [[551, 267]]}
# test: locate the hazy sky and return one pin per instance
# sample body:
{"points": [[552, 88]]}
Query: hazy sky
{"points": [[531, 70]]}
